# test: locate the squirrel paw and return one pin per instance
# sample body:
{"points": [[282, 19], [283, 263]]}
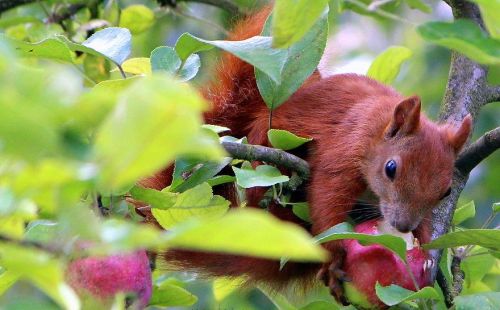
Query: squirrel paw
{"points": [[333, 276]]}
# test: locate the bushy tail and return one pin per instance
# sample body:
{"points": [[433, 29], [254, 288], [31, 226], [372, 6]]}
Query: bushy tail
{"points": [[235, 99]]}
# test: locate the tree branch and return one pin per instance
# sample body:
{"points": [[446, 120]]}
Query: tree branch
{"points": [[466, 92], [227, 5], [270, 155], [478, 151], [493, 94], [9, 4]]}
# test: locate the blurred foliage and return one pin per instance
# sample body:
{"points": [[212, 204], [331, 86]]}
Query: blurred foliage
{"points": [[94, 98]]}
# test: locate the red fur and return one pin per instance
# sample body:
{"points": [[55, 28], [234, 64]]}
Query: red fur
{"points": [[356, 127]]}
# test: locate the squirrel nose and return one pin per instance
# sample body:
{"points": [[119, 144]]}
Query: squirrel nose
{"points": [[403, 227]]}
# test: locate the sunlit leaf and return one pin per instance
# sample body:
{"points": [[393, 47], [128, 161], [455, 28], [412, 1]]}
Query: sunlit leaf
{"points": [[293, 19], [488, 238], [139, 66], [263, 175], [112, 43], [386, 66], [419, 5], [156, 120], [137, 18], [169, 295], [235, 233], [197, 202], [464, 212], [300, 62], [285, 140], [257, 51], [344, 231], [49, 48], [392, 295], [223, 287], [490, 12], [465, 37], [483, 301]]}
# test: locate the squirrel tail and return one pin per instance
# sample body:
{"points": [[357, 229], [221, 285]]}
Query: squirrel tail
{"points": [[235, 99]]}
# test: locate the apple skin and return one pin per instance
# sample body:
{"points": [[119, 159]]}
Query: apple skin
{"points": [[367, 265], [101, 278]]}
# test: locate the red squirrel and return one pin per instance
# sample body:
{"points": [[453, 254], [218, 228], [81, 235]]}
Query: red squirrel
{"points": [[365, 136]]}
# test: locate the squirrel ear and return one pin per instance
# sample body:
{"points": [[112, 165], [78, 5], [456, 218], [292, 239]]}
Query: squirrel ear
{"points": [[406, 117], [458, 137]]}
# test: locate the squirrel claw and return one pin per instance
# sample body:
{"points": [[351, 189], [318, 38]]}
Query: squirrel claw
{"points": [[333, 277]]}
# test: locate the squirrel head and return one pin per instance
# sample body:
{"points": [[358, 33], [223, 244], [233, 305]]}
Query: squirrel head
{"points": [[411, 169]]}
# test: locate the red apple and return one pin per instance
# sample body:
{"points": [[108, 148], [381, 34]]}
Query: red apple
{"points": [[367, 265], [98, 279]]}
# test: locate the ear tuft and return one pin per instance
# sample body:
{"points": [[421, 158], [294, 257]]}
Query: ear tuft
{"points": [[459, 137], [406, 117]]}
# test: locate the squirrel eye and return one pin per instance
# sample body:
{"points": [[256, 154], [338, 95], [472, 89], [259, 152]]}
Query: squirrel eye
{"points": [[390, 169], [448, 192]]}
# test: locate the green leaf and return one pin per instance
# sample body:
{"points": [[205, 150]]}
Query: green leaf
{"points": [[285, 140], [300, 62], [215, 128], [392, 295], [301, 209], [7, 279], [170, 295], [476, 267], [344, 231], [386, 66], [156, 199], [202, 174], [165, 58], [483, 301], [197, 202], [419, 5], [278, 299], [113, 43], [221, 179], [40, 269], [41, 231], [236, 233], [465, 37], [488, 238], [137, 18], [223, 287], [190, 68], [156, 120], [50, 48], [464, 212], [322, 305], [293, 19], [263, 175], [490, 12], [139, 66], [256, 51], [496, 207], [96, 68], [115, 236]]}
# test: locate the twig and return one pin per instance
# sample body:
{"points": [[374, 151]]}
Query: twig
{"points": [[478, 151], [492, 94], [443, 284], [31, 244], [270, 155], [201, 20], [227, 5], [457, 274], [9, 4]]}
